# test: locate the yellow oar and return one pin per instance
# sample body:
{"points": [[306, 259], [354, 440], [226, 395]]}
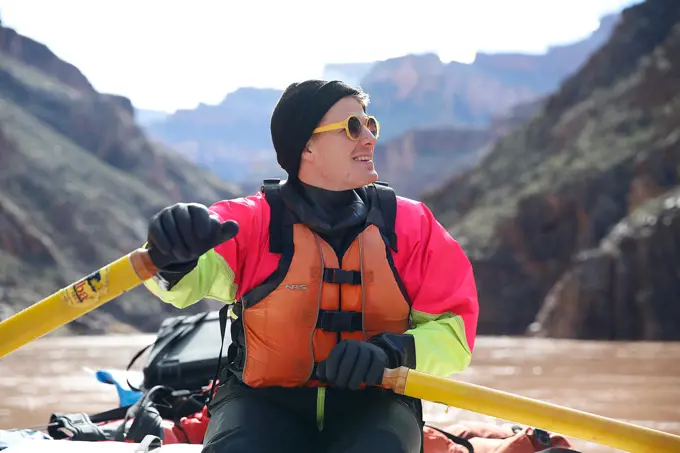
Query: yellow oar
{"points": [[75, 300], [85, 295], [527, 411]]}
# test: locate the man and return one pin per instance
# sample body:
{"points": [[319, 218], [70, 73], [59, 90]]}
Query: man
{"points": [[331, 279]]}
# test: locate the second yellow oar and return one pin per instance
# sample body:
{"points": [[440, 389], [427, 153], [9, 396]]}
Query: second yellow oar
{"points": [[519, 409]]}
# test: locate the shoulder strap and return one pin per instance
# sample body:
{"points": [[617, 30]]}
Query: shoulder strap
{"points": [[272, 192], [387, 200], [455, 439]]}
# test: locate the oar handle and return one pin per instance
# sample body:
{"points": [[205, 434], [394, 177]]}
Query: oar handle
{"points": [[142, 264], [395, 379]]}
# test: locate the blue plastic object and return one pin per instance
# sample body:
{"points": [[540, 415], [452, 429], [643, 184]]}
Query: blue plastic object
{"points": [[126, 395]]}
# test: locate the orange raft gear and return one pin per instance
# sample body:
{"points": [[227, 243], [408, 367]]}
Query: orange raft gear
{"points": [[313, 300], [462, 437]]}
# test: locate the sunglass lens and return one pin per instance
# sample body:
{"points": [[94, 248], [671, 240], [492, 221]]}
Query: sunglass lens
{"points": [[372, 126], [354, 127]]}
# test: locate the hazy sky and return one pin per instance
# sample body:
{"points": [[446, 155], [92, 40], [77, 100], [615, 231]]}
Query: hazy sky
{"points": [[173, 54]]}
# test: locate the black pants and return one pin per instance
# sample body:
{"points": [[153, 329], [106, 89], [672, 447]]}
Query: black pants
{"points": [[278, 420]]}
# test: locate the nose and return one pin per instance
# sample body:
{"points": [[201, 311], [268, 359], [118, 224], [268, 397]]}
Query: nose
{"points": [[367, 138]]}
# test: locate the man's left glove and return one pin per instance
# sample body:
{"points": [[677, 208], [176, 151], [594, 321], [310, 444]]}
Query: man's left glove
{"points": [[352, 363]]}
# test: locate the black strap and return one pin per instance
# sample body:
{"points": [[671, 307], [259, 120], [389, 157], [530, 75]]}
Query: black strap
{"points": [[272, 192], [112, 414], [340, 321], [147, 421], [458, 440], [146, 401], [76, 426], [134, 359], [387, 200], [341, 276], [224, 318]]}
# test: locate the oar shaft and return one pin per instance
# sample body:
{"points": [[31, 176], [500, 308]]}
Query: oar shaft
{"points": [[519, 409], [75, 300]]}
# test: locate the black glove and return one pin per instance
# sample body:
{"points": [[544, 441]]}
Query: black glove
{"points": [[352, 363], [181, 233], [400, 349]]}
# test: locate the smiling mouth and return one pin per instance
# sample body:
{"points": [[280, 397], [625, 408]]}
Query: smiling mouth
{"points": [[363, 159]]}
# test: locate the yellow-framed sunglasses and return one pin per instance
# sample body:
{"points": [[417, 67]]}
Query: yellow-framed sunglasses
{"points": [[352, 126]]}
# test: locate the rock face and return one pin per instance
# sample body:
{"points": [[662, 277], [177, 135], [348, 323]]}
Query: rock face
{"points": [[40, 57], [421, 160], [421, 91], [232, 138], [409, 93], [627, 287], [79, 183], [538, 214]]}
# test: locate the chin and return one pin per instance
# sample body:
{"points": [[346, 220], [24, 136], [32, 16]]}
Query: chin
{"points": [[374, 177], [357, 181], [370, 179]]}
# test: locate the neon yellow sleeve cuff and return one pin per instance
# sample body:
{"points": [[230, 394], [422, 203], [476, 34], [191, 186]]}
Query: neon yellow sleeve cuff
{"points": [[212, 278], [441, 345]]}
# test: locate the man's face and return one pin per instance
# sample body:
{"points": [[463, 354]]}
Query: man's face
{"points": [[332, 160]]}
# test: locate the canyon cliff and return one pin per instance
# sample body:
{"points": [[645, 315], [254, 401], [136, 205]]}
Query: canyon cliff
{"points": [[79, 180], [571, 219]]}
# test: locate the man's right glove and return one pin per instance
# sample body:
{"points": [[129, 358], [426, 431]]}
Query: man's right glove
{"points": [[179, 234]]}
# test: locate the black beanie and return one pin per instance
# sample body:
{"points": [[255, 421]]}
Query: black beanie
{"points": [[296, 115]]}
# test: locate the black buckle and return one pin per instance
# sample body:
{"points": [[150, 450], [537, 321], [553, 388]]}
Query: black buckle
{"points": [[340, 321], [341, 276]]}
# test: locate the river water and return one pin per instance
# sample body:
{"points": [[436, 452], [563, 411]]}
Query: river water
{"points": [[635, 382]]}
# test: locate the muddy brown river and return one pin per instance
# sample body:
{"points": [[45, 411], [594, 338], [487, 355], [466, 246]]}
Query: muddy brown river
{"points": [[635, 382]]}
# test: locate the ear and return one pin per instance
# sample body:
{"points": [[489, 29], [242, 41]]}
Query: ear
{"points": [[307, 153]]}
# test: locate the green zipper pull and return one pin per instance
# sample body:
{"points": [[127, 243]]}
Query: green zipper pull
{"points": [[320, 405]]}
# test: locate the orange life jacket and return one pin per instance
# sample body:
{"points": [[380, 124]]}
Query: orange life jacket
{"points": [[313, 300]]}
